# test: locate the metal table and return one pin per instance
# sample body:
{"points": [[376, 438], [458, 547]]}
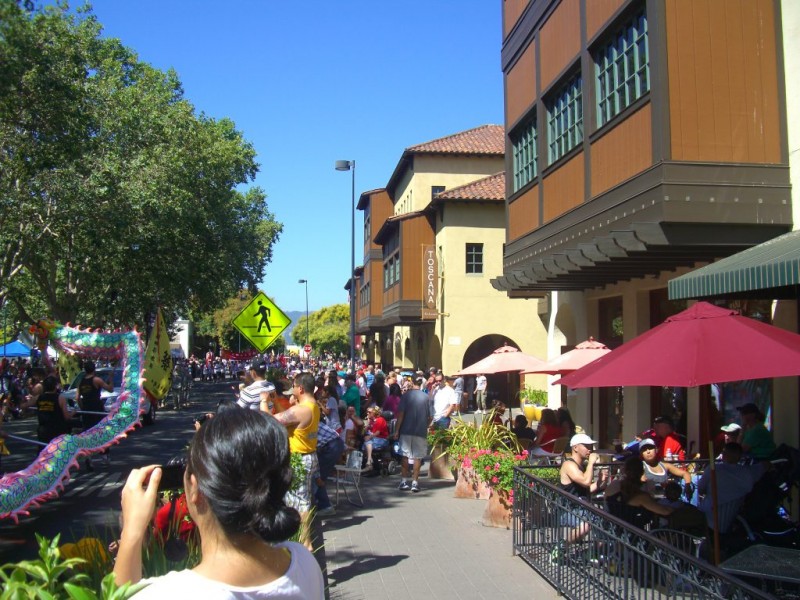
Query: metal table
{"points": [[765, 562]]}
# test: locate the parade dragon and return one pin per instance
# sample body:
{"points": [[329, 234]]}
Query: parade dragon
{"points": [[46, 476]]}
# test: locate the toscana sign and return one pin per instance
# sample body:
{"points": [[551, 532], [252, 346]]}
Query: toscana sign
{"points": [[430, 282]]}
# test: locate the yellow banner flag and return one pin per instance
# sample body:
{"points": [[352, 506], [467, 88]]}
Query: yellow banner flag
{"points": [[158, 361], [68, 368]]}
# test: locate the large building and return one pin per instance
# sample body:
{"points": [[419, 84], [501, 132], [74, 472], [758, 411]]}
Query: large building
{"points": [[644, 138], [433, 239]]}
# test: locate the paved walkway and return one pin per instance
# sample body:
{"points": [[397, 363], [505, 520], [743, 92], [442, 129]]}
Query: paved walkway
{"points": [[404, 545]]}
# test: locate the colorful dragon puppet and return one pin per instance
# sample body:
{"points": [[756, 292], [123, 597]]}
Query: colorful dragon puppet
{"points": [[47, 475]]}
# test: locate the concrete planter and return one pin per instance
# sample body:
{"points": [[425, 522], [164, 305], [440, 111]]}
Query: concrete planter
{"points": [[442, 467], [498, 510], [469, 486]]}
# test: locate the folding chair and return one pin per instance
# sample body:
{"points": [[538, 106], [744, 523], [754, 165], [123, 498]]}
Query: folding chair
{"points": [[350, 474]]}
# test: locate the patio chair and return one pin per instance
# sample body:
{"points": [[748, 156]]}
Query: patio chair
{"points": [[560, 445], [685, 542], [349, 474], [671, 580]]}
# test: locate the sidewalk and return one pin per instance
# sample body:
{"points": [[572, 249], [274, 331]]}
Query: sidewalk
{"points": [[404, 545]]}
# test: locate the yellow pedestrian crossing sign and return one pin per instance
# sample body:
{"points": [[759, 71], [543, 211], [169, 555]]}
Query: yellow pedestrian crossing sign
{"points": [[261, 322]]}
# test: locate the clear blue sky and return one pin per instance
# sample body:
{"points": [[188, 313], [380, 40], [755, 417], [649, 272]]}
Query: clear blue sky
{"points": [[312, 82]]}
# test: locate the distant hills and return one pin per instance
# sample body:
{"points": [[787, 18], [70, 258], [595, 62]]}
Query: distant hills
{"points": [[295, 316]]}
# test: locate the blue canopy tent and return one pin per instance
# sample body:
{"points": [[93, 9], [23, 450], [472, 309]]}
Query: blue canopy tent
{"points": [[14, 349]]}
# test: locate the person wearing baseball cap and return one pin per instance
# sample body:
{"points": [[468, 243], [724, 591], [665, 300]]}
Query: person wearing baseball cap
{"points": [[732, 432], [577, 478], [756, 438], [260, 394], [657, 472]]}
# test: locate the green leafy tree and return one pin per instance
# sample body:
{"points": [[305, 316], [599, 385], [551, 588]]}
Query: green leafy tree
{"points": [[328, 329], [116, 195]]}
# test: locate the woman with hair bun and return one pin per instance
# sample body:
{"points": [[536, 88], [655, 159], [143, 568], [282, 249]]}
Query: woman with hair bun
{"points": [[237, 473]]}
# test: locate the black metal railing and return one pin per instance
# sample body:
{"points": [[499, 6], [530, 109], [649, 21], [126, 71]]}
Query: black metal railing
{"points": [[610, 558]]}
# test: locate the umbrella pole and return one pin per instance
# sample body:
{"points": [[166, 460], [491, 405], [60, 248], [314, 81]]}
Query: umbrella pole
{"points": [[714, 500]]}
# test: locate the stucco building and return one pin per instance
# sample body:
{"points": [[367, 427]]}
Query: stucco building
{"points": [[433, 239]]}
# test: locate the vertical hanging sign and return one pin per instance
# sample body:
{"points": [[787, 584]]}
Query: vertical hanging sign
{"points": [[430, 282]]}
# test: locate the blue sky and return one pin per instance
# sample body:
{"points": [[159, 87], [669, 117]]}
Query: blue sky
{"points": [[312, 82]]}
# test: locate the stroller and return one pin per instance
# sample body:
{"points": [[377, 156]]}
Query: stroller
{"points": [[387, 461]]}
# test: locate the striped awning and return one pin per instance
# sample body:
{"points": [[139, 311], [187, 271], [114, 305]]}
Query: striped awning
{"points": [[772, 264]]}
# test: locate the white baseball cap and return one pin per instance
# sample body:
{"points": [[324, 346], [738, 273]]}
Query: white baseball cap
{"points": [[581, 438], [731, 428]]}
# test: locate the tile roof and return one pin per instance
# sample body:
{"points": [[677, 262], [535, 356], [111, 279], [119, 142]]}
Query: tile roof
{"points": [[492, 187], [486, 139]]}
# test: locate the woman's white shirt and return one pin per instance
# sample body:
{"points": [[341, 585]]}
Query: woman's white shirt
{"points": [[303, 579]]}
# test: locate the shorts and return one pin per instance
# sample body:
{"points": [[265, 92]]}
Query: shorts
{"points": [[413, 446], [574, 517], [301, 498], [377, 443], [442, 423]]}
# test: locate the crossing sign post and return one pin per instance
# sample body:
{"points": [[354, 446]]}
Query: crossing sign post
{"points": [[261, 322]]}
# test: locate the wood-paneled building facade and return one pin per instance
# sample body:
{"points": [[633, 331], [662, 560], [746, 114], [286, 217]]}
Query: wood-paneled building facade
{"points": [[643, 138]]}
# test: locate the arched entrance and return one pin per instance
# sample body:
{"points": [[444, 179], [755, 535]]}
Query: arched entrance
{"points": [[500, 386]]}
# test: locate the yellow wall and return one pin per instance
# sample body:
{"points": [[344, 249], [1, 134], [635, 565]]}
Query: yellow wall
{"points": [[475, 308], [414, 189]]}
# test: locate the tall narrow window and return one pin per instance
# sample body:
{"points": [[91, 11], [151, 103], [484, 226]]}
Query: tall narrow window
{"points": [[565, 119], [622, 67], [525, 154], [475, 258]]}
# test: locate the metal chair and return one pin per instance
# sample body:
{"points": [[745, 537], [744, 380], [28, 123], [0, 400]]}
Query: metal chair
{"points": [[349, 474], [685, 542]]}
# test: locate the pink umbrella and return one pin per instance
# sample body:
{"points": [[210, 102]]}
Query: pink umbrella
{"points": [[503, 360], [703, 344], [583, 354]]}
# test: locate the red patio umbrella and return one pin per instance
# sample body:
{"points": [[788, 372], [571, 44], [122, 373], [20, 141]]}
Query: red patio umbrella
{"points": [[703, 344], [503, 360], [580, 356]]}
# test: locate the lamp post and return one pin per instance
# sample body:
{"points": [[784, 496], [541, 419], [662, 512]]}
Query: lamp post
{"points": [[305, 281], [350, 165]]}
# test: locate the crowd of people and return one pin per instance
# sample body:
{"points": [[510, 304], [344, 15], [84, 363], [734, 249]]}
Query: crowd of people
{"points": [[236, 480], [656, 488]]}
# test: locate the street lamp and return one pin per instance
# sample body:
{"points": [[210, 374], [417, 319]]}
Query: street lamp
{"points": [[350, 165], [305, 281]]}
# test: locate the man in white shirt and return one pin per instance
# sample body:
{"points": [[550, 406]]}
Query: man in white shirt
{"points": [[445, 401], [361, 382], [480, 393]]}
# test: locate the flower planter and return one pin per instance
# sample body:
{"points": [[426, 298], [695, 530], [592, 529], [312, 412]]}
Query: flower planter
{"points": [[441, 465], [498, 510], [469, 486]]}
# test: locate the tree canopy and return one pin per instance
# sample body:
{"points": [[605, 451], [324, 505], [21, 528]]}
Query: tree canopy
{"points": [[328, 329], [116, 195]]}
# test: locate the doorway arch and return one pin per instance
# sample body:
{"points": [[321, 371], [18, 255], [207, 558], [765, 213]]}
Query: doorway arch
{"points": [[500, 386]]}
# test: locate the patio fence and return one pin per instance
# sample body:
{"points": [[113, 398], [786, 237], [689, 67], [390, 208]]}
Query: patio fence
{"points": [[614, 559]]}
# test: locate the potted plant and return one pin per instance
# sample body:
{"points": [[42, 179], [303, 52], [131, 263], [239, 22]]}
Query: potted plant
{"points": [[467, 439], [442, 463], [495, 468], [532, 401]]}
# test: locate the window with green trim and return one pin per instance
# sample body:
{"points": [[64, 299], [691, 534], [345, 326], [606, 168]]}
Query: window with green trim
{"points": [[565, 119], [622, 67], [525, 153]]}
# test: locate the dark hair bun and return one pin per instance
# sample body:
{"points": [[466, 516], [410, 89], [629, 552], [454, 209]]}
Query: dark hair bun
{"points": [[241, 461], [278, 526]]}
